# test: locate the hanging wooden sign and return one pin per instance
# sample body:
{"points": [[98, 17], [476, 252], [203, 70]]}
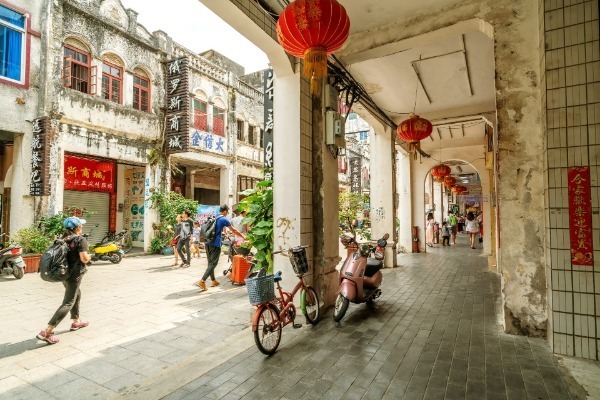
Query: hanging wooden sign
{"points": [[40, 153], [178, 106]]}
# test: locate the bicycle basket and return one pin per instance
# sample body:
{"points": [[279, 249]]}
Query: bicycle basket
{"points": [[260, 289], [299, 260]]}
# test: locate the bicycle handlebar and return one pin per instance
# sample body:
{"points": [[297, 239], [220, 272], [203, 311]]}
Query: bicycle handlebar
{"points": [[290, 249]]}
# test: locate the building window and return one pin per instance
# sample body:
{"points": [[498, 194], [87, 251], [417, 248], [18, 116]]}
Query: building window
{"points": [[218, 121], [261, 138], [141, 93], [240, 130], [12, 44], [77, 73], [245, 183], [252, 135], [112, 82], [200, 121]]}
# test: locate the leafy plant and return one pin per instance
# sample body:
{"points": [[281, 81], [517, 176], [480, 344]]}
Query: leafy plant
{"points": [[157, 244], [31, 240], [350, 205], [259, 207], [169, 205], [53, 226]]}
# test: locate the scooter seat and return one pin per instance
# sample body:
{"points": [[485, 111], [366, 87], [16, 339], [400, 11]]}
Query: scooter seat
{"points": [[373, 266]]}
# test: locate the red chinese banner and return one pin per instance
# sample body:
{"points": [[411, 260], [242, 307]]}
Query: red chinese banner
{"points": [[580, 216], [86, 174]]}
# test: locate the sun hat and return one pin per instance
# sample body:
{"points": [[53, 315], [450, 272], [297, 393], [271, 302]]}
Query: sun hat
{"points": [[73, 222]]}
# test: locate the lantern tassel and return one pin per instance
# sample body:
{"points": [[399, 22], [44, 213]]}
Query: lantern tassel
{"points": [[315, 67]]}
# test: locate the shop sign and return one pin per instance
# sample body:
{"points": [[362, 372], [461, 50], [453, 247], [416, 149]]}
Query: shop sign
{"points": [[268, 131], [178, 106], [87, 174], [205, 212], [39, 184], [355, 174], [580, 216], [208, 141], [134, 204]]}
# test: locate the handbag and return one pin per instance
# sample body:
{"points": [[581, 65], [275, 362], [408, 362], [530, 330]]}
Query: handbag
{"points": [[175, 241]]}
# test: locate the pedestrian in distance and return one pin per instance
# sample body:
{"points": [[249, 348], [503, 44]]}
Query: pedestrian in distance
{"points": [[176, 232], [429, 230], [445, 234], [453, 222], [213, 248], [196, 240], [241, 227], [472, 228], [187, 229], [77, 258]]}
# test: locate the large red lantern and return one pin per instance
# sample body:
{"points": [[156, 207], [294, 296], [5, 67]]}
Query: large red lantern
{"points": [[104, 166], [459, 189], [311, 30], [413, 130], [449, 181], [441, 171]]}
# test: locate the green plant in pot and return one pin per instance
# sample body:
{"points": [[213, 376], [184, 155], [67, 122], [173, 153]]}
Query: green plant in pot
{"points": [[259, 207], [32, 240]]}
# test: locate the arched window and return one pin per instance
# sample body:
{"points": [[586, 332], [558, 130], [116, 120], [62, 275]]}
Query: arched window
{"points": [[141, 90], [112, 78], [200, 108], [78, 72]]}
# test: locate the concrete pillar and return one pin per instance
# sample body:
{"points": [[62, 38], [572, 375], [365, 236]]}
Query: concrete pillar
{"points": [[21, 203], [382, 190], [225, 186], [437, 201], [404, 202], [150, 214]]}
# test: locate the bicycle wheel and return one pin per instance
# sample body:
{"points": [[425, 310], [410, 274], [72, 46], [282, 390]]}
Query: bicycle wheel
{"points": [[268, 333], [341, 306], [127, 244], [311, 304]]}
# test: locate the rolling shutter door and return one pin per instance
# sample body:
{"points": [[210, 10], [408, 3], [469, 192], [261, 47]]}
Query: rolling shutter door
{"points": [[96, 202]]}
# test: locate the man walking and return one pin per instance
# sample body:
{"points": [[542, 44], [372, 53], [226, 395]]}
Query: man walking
{"points": [[187, 228], [213, 248], [453, 227]]}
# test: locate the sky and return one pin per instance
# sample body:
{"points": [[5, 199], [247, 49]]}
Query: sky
{"points": [[194, 26]]}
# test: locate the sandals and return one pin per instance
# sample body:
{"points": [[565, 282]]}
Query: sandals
{"points": [[79, 325], [49, 338]]}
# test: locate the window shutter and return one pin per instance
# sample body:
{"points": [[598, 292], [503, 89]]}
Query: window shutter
{"points": [[66, 71], [93, 79]]}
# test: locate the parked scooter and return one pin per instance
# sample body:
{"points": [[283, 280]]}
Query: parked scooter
{"points": [[11, 261], [105, 251], [360, 276]]}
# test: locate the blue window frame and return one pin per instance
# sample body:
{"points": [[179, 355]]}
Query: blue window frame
{"points": [[12, 44]]}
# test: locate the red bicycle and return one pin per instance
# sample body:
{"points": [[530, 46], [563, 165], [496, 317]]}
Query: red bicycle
{"points": [[271, 316]]}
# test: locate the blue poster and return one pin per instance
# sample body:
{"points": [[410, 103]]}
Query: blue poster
{"points": [[205, 212]]}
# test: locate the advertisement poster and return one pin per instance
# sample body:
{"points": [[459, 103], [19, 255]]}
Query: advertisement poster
{"points": [[580, 216], [134, 204], [205, 212]]}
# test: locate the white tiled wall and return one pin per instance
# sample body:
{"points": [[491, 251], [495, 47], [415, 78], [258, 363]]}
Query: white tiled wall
{"points": [[572, 76]]}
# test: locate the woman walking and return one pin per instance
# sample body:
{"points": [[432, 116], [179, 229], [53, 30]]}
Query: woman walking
{"points": [[472, 228], [429, 230], [176, 233], [77, 258]]}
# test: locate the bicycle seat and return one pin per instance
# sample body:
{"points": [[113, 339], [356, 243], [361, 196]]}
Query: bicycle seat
{"points": [[277, 277]]}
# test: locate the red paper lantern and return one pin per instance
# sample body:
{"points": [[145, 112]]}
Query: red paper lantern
{"points": [[413, 130], [441, 171], [311, 30], [459, 189], [449, 181], [104, 166]]}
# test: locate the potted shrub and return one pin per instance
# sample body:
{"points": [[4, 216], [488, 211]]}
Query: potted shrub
{"points": [[33, 242], [259, 207], [168, 205]]}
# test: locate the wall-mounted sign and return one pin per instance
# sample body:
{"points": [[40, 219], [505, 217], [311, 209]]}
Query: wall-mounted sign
{"points": [[40, 153], [208, 141], [90, 175], [355, 174], [134, 204], [178, 106], [268, 131], [580, 216]]}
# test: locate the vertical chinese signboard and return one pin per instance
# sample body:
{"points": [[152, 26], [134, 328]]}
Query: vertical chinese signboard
{"points": [[355, 174], [40, 154], [268, 132], [580, 216], [178, 106], [134, 204]]}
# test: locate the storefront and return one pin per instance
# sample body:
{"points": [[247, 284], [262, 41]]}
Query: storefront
{"points": [[90, 186], [136, 190]]}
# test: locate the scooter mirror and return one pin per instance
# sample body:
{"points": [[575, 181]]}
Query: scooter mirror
{"points": [[386, 236]]}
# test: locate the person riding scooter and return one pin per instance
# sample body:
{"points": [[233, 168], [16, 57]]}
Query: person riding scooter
{"points": [[360, 276]]}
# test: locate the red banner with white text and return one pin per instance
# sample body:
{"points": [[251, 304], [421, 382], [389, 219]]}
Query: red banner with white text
{"points": [[580, 216], [88, 174]]}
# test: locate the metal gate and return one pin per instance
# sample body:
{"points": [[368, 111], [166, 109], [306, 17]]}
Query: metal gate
{"points": [[97, 203]]}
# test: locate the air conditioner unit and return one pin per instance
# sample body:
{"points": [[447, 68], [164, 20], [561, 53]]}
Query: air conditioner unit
{"points": [[334, 126]]}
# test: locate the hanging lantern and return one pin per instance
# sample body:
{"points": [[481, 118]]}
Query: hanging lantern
{"points": [[459, 189], [441, 171], [438, 179], [413, 130], [311, 30], [104, 166], [449, 181]]}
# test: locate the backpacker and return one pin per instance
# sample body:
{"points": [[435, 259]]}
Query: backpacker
{"points": [[208, 229], [54, 266]]}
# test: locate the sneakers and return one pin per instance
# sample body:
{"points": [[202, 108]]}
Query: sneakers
{"points": [[47, 337], [214, 283], [201, 285], [79, 325]]}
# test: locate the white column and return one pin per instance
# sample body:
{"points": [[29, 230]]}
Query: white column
{"points": [[225, 186], [418, 177], [404, 202], [382, 190], [150, 214], [437, 201], [22, 204]]}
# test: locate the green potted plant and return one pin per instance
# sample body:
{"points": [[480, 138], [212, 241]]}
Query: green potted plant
{"points": [[33, 242], [259, 207], [168, 205]]}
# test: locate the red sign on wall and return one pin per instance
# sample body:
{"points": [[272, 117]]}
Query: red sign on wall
{"points": [[86, 174], [580, 216]]}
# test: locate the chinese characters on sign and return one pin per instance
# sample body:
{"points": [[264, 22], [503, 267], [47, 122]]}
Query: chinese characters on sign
{"points": [[178, 105], [355, 177], [39, 184], [268, 132], [580, 216], [134, 204], [85, 174], [207, 141]]}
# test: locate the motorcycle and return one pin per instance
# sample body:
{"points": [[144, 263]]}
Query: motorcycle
{"points": [[360, 276], [11, 261], [105, 251]]}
